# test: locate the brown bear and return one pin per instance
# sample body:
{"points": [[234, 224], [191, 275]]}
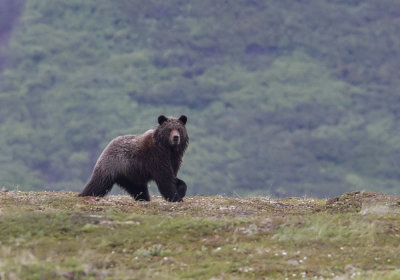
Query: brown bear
{"points": [[131, 161]]}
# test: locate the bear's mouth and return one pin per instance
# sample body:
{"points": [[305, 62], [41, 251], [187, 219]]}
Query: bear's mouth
{"points": [[175, 143], [175, 138]]}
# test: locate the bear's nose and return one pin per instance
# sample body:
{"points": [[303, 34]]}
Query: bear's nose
{"points": [[176, 138]]}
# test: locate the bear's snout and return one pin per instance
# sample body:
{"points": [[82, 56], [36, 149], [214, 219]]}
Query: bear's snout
{"points": [[175, 137]]}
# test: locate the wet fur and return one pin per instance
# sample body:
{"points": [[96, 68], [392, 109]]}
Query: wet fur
{"points": [[131, 161]]}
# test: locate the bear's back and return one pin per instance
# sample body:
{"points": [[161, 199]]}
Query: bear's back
{"points": [[124, 150], [131, 145]]}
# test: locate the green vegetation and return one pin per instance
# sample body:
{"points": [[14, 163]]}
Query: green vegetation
{"points": [[56, 235], [283, 97]]}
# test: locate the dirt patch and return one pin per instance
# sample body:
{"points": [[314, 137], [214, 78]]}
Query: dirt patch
{"points": [[363, 202]]}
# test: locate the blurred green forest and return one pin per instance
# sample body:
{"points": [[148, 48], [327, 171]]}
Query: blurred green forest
{"points": [[283, 98]]}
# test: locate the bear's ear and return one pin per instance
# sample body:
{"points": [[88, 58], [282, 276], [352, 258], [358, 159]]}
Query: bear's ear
{"points": [[162, 119], [183, 119]]}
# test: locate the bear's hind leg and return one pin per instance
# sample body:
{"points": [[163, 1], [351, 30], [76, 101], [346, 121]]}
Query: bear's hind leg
{"points": [[99, 185]]}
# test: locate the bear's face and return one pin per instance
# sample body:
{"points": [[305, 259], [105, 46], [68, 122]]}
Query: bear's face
{"points": [[172, 132]]}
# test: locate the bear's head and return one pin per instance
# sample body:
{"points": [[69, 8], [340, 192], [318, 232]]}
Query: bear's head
{"points": [[171, 132]]}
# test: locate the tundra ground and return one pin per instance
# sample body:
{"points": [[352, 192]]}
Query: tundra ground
{"points": [[56, 235]]}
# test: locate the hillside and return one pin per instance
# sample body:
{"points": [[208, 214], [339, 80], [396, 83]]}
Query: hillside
{"points": [[283, 97], [56, 235]]}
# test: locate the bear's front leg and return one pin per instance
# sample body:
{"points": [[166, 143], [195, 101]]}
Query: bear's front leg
{"points": [[181, 187], [136, 188], [167, 185]]}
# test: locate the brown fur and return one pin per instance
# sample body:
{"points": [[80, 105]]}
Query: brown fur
{"points": [[131, 161]]}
